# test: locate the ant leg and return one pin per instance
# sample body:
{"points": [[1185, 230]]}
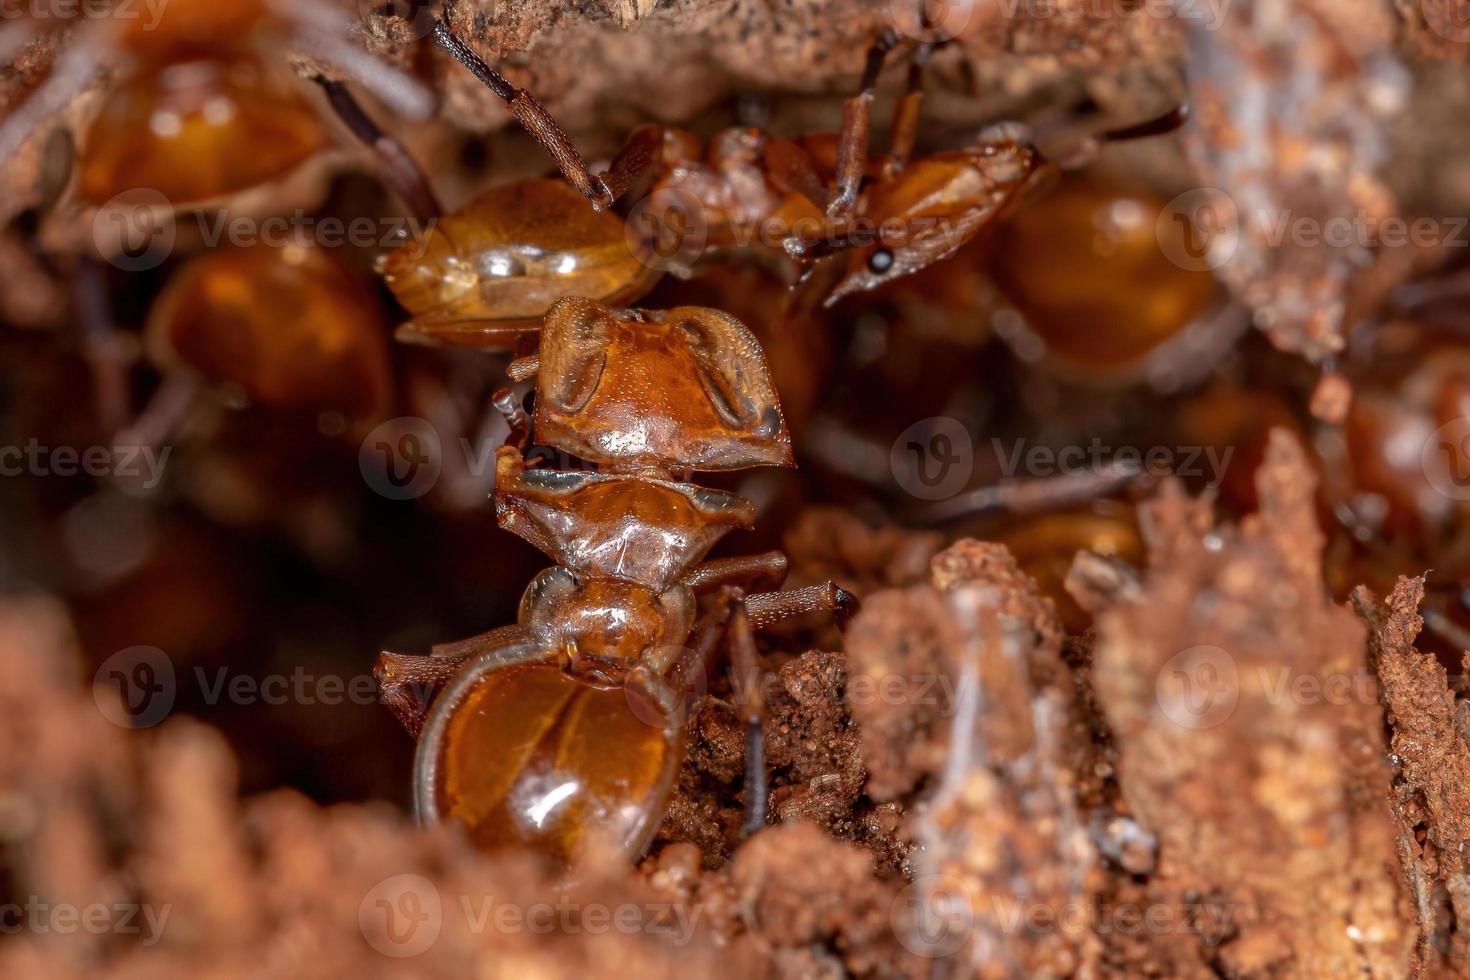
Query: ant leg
{"points": [[1037, 495], [102, 347], [408, 684], [405, 176], [857, 117], [770, 608], [905, 129], [1087, 150], [533, 117], [744, 571], [505, 402], [793, 170], [1170, 121], [751, 703], [640, 156]]}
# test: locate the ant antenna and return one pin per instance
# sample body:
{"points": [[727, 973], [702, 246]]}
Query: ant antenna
{"points": [[1170, 121], [401, 171], [533, 117]]}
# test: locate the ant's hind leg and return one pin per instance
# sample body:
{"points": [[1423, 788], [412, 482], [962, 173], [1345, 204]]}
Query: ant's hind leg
{"points": [[399, 169], [532, 115], [408, 685]]}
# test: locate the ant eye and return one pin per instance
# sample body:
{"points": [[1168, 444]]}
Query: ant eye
{"points": [[880, 261]]}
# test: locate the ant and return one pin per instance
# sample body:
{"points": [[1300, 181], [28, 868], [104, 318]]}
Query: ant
{"points": [[488, 271], [570, 723], [199, 113]]}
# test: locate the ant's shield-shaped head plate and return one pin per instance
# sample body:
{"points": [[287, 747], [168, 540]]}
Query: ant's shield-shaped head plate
{"points": [[684, 389], [646, 531]]}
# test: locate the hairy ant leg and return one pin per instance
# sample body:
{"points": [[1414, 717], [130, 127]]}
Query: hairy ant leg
{"points": [[767, 609], [637, 160], [533, 117], [410, 683], [744, 571]]}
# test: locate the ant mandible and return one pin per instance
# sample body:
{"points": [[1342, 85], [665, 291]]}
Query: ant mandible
{"points": [[484, 276], [570, 723]]}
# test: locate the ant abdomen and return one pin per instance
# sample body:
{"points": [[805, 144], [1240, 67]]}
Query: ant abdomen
{"points": [[536, 759], [487, 273]]}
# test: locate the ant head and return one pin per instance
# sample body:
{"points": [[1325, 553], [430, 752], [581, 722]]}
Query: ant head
{"points": [[924, 213], [678, 390]]}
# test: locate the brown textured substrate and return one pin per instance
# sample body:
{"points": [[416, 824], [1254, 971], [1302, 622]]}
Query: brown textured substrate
{"points": [[1231, 776]]}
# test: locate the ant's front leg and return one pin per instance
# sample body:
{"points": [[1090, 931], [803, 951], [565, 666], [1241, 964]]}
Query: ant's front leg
{"points": [[532, 115], [904, 132], [742, 571], [748, 615], [857, 118], [637, 161]]}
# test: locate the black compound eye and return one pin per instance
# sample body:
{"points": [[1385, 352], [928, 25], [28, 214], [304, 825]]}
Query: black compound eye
{"points": [[880, 261]]}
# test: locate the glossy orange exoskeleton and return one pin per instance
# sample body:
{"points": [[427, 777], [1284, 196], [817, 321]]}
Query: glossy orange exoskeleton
{"points": [[488, 271], [569, 724]]}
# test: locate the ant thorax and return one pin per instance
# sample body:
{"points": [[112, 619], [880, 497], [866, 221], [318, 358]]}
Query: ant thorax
{"points": [[686, 391]]}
